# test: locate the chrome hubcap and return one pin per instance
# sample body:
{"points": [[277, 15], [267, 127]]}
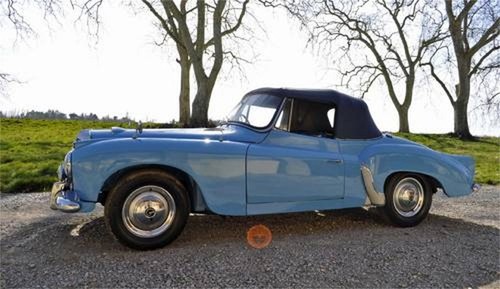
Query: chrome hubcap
{"points": [[408, 197], [148, 211]]}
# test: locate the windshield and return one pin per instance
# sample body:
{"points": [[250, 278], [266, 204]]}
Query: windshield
{"points": [[256, 110]]}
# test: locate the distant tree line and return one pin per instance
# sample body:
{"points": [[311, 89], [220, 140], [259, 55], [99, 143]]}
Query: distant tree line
{"points": [[55, 114]]}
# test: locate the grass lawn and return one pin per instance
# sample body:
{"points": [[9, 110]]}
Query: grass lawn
{"points": [[31, 150], [486, 152]]}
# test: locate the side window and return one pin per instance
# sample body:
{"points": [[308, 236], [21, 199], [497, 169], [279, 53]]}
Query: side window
{"points": [[283, 121], [312, 118]]}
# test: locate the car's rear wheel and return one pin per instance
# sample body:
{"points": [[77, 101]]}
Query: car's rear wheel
{"points": [[408, 199], [147, 209]]}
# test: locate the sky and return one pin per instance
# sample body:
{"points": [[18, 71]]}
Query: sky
{"points": [[125, 73]]}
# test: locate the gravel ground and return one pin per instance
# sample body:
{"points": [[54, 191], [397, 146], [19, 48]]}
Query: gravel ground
{"points": [[458, 246]]}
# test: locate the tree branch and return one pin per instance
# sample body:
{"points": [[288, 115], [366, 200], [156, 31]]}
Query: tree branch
{"points": [[488, 36], [477, 67], [217, 31], [440, 82], [463, 14], [171, 31], [200, 28], [235, 27]]}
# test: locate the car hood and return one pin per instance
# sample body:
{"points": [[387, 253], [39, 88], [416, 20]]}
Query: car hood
{"points": [[225, 133]]}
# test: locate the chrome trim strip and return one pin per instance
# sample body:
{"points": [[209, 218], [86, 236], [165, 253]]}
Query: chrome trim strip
{"points": [[376, 198]]}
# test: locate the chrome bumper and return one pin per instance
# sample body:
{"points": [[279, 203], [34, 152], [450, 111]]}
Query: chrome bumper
{"points": [[63, 200]]}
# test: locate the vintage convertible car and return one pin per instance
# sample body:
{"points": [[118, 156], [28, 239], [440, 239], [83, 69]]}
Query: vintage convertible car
{"points": [[281, 150]]}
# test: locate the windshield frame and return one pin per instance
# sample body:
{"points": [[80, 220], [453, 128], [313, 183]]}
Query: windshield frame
{"points": [[271, 122]]}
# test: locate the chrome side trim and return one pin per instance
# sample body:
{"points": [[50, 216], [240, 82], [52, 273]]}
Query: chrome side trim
{"points": [[376, 198], [66, 201]]}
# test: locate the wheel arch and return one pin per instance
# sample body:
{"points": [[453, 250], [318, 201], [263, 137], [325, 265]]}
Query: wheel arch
{"points": [[197, 202], [433, 182]]}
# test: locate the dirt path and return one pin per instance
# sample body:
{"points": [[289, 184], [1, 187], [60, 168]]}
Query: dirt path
{"points": [[458, 246]]}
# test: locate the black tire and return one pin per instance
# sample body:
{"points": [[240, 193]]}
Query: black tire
{"points": [[142, 187], [394, 207]]}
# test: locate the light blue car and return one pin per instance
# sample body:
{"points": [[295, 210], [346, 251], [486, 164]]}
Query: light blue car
{"points": [[280, 151]]}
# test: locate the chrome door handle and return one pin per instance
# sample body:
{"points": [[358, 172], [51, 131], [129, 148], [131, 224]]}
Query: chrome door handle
{"points": [[334, 161]]}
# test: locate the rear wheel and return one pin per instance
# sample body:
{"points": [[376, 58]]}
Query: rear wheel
{"points": [[408, 199], [147, 209]]}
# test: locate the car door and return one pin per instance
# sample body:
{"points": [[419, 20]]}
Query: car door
{"points": [[295, 163]]}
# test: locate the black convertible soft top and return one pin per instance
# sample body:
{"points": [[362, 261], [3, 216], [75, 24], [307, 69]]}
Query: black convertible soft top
{"points": [[352, 117]]}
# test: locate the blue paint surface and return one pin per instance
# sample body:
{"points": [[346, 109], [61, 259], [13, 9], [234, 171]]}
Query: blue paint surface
{"points": [[240, 171]]}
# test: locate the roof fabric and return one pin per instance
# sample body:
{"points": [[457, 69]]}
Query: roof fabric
{"points": [[352, 116]]}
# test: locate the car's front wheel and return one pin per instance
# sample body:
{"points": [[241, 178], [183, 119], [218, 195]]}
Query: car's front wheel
{"points": [[408, 199], [147, 209]]}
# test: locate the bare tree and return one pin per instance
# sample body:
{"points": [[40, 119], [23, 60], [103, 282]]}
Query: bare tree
{"points": [[188, 27], [376, 40], [473, 28], [13, 14], [5, 80], [13, 17], [170, 28], [198, 29], [21, 17]]}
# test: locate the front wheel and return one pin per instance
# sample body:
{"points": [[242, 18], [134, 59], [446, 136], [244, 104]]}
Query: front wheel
{"points": [[408, 199], [147, 209]]}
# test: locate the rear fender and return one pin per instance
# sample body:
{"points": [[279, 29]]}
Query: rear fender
{"points": [[386, 159]]}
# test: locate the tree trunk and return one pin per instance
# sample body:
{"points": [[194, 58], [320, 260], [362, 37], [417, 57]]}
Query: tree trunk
{"points": [[461, 121], [464, 61], [199, 118], [184, 104], [402, 108], [460, 107], [404, 125]]}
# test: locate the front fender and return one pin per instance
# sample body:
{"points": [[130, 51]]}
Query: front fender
{"points": [[218, 167], [383, 160]]}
